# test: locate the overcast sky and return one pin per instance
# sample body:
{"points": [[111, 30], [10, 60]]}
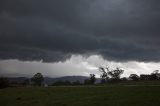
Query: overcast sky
{"points": [[74, 37]]}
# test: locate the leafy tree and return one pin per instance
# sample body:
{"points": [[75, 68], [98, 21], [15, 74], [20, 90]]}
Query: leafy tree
{"points": [[110, 75], [134, 77], [155, 72], [4, 82], [37, 79], [92, 78], [115, 74], [155, 75]]}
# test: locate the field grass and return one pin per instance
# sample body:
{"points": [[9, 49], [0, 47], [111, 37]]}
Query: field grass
{"points": [[112, 95]]}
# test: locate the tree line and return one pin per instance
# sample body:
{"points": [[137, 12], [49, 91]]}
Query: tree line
{"points": [[107, 76]]}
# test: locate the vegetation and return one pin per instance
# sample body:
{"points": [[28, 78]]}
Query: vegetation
{"points": [[92, 78], [37, 79], [57, 83], [104, 75], [110, 75], [111, 95], [134, 77], [143, 90], [66, 83], [87, 82], [4, 82], [76, 83], [115, 74]]}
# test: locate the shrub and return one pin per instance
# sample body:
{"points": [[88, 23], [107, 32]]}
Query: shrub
{"points": [[4, 82]]}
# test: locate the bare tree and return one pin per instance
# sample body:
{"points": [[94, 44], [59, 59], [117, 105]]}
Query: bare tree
{"points": [[104, 74], [92, 78]]}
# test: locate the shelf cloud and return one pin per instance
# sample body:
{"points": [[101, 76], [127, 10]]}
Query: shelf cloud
{"points": [[54, 30]]}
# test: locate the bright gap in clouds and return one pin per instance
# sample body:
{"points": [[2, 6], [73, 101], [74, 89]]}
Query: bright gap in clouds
{"points": [[76, 65]]}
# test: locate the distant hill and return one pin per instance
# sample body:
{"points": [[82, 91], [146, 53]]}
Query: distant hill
{"points": [[17, 79]]}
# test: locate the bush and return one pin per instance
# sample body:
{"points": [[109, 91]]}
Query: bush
{"points": [[134, 77], [87, 82], [3, 82], [61, 83], [76, 83]]}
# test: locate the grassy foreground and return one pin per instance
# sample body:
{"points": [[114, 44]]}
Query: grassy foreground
{"points": [[81, 96]]}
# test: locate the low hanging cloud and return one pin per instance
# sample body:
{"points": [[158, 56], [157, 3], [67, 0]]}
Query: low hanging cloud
{"points": [[76, 65], [54, 30]]}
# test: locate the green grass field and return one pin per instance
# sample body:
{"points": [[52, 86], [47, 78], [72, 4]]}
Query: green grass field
{"points": [[112, 95]]}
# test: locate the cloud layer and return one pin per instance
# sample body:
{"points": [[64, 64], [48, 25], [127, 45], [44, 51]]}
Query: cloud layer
{"points": [[53, 30], [76, 65]]}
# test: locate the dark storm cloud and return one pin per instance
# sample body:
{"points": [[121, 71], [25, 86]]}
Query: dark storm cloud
{"points": [[53, 30]]}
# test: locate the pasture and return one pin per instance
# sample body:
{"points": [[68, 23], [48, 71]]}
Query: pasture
{"points": [[108, 95]]}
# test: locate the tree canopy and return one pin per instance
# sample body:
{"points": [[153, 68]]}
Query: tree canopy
{"points": [[37, 79]]}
